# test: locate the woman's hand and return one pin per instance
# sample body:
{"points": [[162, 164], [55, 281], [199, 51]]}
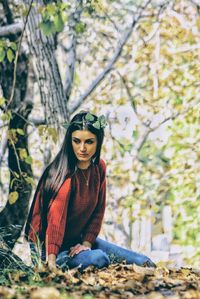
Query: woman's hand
{"points": [[78, 248], [51, 262]]}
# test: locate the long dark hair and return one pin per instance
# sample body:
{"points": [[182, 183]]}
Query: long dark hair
{"points": [[63, 166]]}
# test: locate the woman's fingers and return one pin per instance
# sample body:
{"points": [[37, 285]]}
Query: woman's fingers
{"points": [[77, 249], [74, 249]]}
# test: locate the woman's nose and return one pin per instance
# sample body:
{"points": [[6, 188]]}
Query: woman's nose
{"points": [[82, 148]]}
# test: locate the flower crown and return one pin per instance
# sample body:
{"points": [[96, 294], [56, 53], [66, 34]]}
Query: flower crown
{"points": [[100, 122]]}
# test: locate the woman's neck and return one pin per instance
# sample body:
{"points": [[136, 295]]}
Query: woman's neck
{"points": [[83, 165]]}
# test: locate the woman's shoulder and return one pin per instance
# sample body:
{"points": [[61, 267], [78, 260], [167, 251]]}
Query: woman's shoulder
{"points": [[102, 167], [102, 164]]}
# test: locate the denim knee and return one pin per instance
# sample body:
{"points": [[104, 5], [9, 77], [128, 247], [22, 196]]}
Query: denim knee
{"points": [[99, 259], [143, 260]]}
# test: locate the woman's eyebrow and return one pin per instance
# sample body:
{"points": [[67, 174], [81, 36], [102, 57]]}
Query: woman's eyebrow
{"points": [[89, 139], [75, 138]]}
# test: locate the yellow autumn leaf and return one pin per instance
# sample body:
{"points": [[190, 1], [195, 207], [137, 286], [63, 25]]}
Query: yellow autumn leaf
{"points": [[53, 133], [45, 293], [2, 101], [13, 196], [23, 154]]}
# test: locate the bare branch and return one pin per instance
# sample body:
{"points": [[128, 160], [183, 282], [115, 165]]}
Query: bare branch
{"points": [[171, 117], [128, 91], [110, 64], [11, 29]]}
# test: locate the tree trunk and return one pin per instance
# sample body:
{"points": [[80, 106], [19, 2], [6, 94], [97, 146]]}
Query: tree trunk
{"points": [[42, 49], [13, 216]]}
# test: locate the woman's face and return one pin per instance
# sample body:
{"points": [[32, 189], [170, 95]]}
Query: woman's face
{"points": [[84, 144]]}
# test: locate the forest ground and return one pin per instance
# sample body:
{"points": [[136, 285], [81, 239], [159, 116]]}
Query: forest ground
{"points": [[116, 281]]}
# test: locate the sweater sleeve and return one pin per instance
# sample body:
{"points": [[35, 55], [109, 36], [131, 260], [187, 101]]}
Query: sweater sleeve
{"points": [[35, 220], [95, 223], [56, 219]]}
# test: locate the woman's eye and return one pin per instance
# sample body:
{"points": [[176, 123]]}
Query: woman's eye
{"points": [[89, 142], [76, 141]]}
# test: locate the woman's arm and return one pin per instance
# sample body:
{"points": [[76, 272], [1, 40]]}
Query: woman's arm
{"points": [[56, 219], [51, 260], [94, 225]]}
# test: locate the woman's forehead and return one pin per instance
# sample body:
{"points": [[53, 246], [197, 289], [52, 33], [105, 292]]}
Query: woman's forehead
{"points": [[83, 134]]}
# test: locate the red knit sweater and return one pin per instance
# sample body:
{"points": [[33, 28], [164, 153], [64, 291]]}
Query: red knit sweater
{"points": [[74, 214]]}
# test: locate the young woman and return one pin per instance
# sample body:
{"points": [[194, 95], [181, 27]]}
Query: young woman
{"points": [[69, 203]]}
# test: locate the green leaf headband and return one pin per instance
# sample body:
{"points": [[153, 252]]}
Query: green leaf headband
{"points": [[100, 123]]}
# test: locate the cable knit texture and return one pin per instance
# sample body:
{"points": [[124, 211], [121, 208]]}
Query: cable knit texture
{"points": [[77, 211]]}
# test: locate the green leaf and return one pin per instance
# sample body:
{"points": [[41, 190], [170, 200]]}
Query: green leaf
{"points": [[6, 116], [89, 117], [23, 154], [102, 121], [13, 46], [47, 27], [80, 27], [2, 54], [30, 181], [51, 9], [13, 196], [12, 182], [135, 134], [58, 22], [16, 174], [97, 125], [10, 55], [178, 101], [29, 160], [20, 131]]}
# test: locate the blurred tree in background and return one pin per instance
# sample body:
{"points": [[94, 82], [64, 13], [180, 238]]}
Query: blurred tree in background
{"points": [[138, 63]]}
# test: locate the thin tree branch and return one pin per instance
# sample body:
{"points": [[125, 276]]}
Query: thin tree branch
{"points": [[172, 117], [110, 64], [16, 156], [128, 91], [17, 56]]}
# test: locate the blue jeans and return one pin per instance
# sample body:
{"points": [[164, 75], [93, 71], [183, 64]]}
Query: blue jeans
{"points": [[102, 254]]}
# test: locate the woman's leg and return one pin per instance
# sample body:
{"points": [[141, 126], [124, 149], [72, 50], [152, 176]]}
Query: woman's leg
{"points": [[119, 254], [96, 258]]}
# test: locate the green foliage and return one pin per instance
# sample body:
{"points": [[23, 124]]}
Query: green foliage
{"points": [[2, 101], [7, 50], [184, 178], [53, 17], [100, 123], [13, 196], [46, 132], [6, 116], [80, 27]]}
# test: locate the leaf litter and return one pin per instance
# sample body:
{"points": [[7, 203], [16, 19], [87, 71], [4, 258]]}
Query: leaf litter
{"points": [[116, 281]]}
